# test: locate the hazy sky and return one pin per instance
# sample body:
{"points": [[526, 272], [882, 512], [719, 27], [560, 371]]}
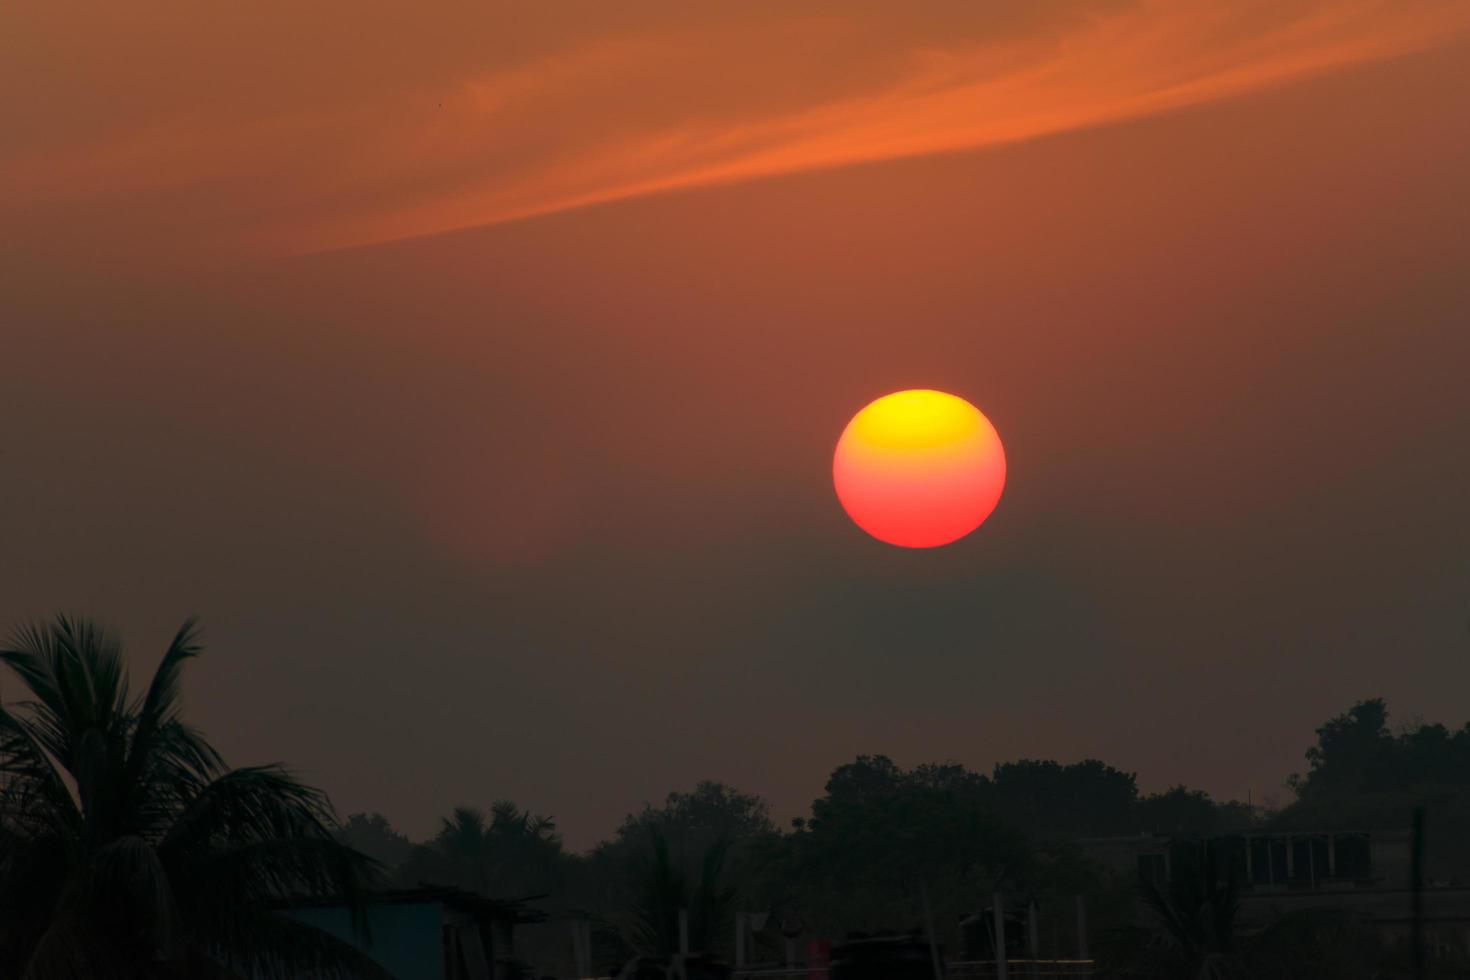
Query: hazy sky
{"points": [[474, 374]]}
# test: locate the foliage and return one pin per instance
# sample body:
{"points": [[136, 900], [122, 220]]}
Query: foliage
{"points": [[1055, 801], [373, 835], [1196, 912], [881, 833], [713, 820], [662, 888], [712, 812], [1180, 811], [1357, 758], [1364, 776], [511, 854], [128, 850]]}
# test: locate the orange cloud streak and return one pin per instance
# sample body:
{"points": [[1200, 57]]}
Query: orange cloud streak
{"points": [[649, 107]]}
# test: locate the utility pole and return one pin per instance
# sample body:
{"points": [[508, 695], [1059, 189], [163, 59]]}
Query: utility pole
{"points": [[739, 940], [929, 928], [1416, 895], [1082, 930], [1000, 938], [792, 927], [582, 946], [1033, 942]]}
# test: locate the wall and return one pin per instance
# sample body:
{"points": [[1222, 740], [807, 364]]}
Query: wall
{"points": [[406, 939]]}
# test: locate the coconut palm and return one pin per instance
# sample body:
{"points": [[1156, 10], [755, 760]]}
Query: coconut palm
{"points": [[462, 853], [508, 820], [129, 851], [511, 854], [663, 887], [1196, 915]]}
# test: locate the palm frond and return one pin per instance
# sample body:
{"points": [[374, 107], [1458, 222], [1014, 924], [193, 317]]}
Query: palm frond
{"points": [[257, 834], [159, 739], [31, 654], [127, 848], [33, 779], [266, 871], [177, 767], [660, 892], [91, 679], [247, 804], [78, 683], [161, 702], [464, 829], [714, 899]]}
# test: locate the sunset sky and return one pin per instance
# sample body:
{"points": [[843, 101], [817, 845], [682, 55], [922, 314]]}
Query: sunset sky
{"points": [[474, 373]]}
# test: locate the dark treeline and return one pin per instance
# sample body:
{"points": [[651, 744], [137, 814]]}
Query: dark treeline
{"points": [[1361, 772], [130, 850], [881, 837]]}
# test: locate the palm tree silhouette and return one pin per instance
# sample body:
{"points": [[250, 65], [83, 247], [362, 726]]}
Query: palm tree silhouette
{"points": [[663, 886], [511, 854], [464, 842], [129, 851], [1197, 913]]}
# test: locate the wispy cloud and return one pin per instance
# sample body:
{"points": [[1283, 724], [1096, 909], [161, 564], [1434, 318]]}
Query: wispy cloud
{"points": [[646, 107]]}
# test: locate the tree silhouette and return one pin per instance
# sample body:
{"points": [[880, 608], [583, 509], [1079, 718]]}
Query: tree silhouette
{"points": [[373, 835], [512, 853], [662, 888], [880, 833], [1197, 911], [712, 812], [128, 851], [1363, 775], [1193, 932]]}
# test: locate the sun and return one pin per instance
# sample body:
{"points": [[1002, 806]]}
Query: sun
{"points": [[919, 468]]}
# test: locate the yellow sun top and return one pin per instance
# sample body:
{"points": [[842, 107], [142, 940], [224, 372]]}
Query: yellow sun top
{"points": [[916, 419]]}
